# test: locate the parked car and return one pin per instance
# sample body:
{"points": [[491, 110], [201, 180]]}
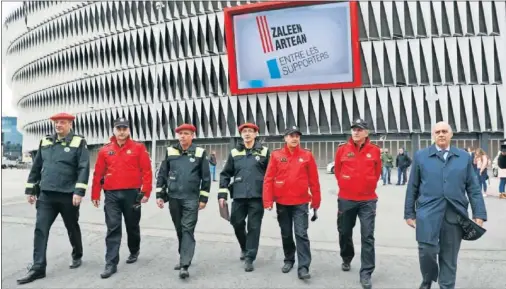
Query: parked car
{"points": [[330, 168], [495, 167]]}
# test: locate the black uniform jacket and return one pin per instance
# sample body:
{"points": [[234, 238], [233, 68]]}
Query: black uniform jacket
{"points": [[60, 165], [247, 167], [184, 174]]}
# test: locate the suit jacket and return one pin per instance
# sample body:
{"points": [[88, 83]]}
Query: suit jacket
{"points": [[435, 185]]}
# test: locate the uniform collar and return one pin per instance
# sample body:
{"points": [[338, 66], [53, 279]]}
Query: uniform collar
{"points": [[115, 141], [256, 146], [367, 141], [191, 148], [66, 139]]}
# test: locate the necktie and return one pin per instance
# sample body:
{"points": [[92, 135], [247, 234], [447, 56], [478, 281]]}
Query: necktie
{"points": [[442, 153]]}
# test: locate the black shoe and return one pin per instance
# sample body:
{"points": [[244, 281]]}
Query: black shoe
{"points": [[75, 264], [132, 258], [366, 282], [304, 274], [177, 267], [109, 270], [31, 276], [345, 267], [425, 285], [287, 267], [248, 266], [243, 256], [183, 273]]}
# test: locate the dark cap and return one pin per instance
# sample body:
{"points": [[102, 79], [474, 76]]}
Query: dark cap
{"points": [[503, 146], [121, 122], [292, 129], [359, 123]]}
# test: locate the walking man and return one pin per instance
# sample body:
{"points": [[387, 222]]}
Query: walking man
{"points": [[291, 173], [125, 168], [357, 170], [247, 164], [60, 173], [184, 181], [212, 165], [387, 160], [403, 161], [441, 185]]}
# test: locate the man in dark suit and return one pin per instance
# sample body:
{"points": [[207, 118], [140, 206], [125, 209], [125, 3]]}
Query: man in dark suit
{"points": [[440, 178]]}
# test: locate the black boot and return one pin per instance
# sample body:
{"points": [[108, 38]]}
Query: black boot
{"points": [[345, 267], [75, 264], [366, 282], [31, 276], [426, 285], [243, 256], [132, 258], [248, 266], [183, 273], [304, 274], [109, 270], [287, 267]]}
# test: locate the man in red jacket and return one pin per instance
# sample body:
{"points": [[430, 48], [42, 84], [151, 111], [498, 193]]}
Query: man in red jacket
{"points": [[290, 173], [357, 168], [123, 170]]}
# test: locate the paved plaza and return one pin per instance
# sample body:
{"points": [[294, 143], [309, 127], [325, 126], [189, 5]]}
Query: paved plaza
{"points": [[216, 263]]}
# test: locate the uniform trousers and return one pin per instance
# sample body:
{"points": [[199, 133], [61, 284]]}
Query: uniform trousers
{"points": [[49, 204], [120, 203], [184, 214], [295, 219], [347, 214], [253, 210]]}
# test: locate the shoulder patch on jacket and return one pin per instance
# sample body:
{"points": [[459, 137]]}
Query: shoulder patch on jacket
{"points": [[46, 141], [171, 151], [199, 152], [76, 141], [235, 152]]}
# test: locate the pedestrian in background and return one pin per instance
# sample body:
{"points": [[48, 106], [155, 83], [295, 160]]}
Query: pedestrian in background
{"points": [[246, 164], [291, 173], [357, 169], [481, 162], [387, 161], [403, 161], [60, 173], [441, 185], [501, 164], [124, 167], [184, 181], [212, 165]]}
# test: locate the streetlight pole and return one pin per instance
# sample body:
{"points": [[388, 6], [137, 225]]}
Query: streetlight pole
{"points": [[159, 5]]}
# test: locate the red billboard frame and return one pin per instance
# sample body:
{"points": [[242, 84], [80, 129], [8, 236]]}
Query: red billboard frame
{"points": [[230, 12]]}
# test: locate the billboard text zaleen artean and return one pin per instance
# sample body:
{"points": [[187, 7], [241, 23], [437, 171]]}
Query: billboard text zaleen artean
{"points": [[290, 46]]}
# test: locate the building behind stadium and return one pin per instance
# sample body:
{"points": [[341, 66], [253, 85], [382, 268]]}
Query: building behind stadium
{"points": [[100, 60]]}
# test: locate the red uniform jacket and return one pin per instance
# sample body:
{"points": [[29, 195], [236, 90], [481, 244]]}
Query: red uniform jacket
{"points": [[357, 170], [289, 176], [126, 167]]}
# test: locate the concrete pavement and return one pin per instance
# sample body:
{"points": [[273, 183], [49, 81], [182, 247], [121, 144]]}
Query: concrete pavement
{"points": [[216, 263]]}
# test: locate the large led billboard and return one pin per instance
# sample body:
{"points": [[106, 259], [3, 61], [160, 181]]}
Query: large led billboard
{"points": [[291, 46]]}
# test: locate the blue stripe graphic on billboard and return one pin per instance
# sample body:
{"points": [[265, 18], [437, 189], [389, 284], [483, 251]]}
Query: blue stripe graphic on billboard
{"points": [[273, 69]]}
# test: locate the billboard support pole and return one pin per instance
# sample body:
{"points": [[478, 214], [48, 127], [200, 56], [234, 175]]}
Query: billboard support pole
{"points": [[154, 110]]}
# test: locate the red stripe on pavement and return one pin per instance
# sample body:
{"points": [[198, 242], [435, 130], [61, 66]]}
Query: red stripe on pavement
{"points": [[260, 31], [268, 34]]}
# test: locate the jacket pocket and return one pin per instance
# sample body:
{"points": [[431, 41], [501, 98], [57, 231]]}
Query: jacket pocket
{"points": [[172, 182], [345, 182], [278, 187], [370, 185]]}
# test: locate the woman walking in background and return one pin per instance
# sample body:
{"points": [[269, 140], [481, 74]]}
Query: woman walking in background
{"points": [[501, 163], [481, 162]]}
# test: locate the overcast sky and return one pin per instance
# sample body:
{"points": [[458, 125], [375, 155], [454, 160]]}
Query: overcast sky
{"points": [[8, 109]]}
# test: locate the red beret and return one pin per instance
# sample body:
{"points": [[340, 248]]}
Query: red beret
{"points": [[248, 125], [62, 115], [186, 126]]}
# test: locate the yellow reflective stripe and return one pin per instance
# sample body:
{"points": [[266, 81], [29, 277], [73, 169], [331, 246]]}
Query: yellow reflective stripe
{"points": [[46, 142], [29, 186], [172, 152], [204, 193], [235, 153], [81, 186], [76, 141], [158, 190], [223, 190], [199, 152], [264, 151]]}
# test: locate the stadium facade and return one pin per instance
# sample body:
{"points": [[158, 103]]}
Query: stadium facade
{"points": [[101, 60]]}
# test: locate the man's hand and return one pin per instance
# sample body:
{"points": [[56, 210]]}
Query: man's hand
{"points": [[202, 205], [222, 202], [31, 199], [144, 200], [411, 223], [76, 200], [159, 203], [269, 208], [479, 222], [95, 203]]}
